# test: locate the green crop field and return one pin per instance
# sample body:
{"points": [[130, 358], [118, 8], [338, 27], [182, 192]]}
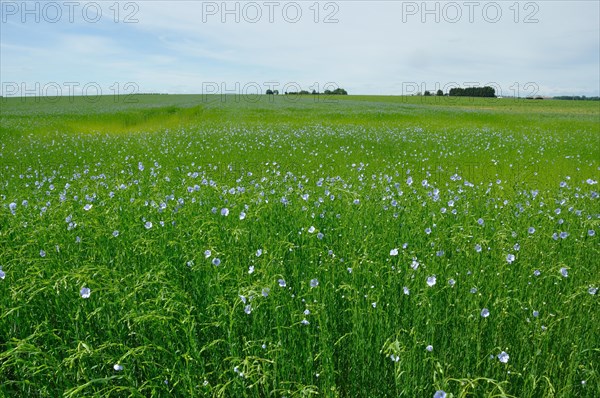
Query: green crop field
{"points": [[295, 246]]}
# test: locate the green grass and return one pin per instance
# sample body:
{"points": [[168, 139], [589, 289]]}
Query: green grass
{"points": [[178, 324]]}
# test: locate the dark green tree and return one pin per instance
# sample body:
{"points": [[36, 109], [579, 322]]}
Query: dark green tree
{"points": [[339, 91]]}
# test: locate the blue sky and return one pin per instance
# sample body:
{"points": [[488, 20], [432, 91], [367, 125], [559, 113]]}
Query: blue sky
{"points": [[368, 47]]}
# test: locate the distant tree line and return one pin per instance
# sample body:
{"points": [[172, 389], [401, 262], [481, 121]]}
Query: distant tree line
{"points": [[577, 98], [485, 91], [337, 91], [438, 93]]}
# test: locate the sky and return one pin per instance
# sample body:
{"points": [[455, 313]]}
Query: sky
{"points": [[520, 48]]}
